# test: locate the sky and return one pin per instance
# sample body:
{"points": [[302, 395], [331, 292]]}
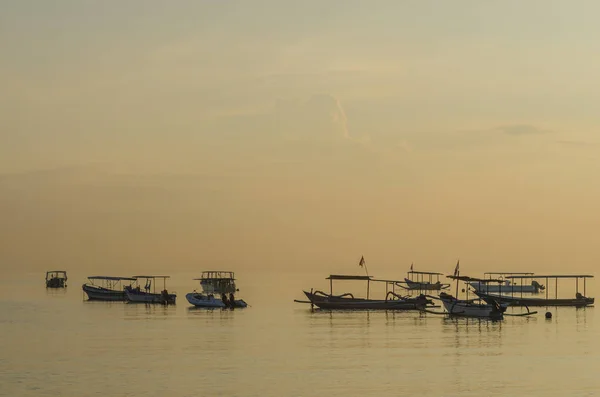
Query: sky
{"points": [[293, 136]]}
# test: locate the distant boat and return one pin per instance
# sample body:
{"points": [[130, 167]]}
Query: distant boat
{"points": [[580, 300], [110, 288], [423, 281], [509, 286], [347, 301], [137, 295], [218, 291], [56, 279]]}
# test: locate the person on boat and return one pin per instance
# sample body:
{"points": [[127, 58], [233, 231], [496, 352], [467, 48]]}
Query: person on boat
{"points": [[231, 299], [224, 299]]}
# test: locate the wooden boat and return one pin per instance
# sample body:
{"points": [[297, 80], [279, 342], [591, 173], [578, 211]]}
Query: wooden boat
{"points": [[347, 301], [218, 291], [56, 279], [531, 287], [514, 299], [109, 288], [470, 308], [423, 281], [137, 295]]}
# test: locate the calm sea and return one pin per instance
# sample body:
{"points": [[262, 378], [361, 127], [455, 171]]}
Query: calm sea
{"points": [[53, 343]]}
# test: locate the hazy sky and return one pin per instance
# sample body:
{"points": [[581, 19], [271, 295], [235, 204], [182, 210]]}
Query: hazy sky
{"points": [[277, 134]]}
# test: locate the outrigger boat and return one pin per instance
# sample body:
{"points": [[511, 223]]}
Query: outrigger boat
{"points": [[56, 279], [471, 307], [217, 283], [533, 287], [580, 300], [135, 294], [110, 288], [423, 281], [347, 301]]}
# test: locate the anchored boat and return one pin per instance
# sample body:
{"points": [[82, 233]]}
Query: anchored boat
{"points": [[509, 286], [423, 281], [106, 288], [56, 279], [218, 291], [515, 299], [347, 301], [149, 294]]}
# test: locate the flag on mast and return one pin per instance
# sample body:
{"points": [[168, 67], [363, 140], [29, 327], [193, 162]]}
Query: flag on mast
{"points": [[411, 267], [456, 268], [362, 261]]}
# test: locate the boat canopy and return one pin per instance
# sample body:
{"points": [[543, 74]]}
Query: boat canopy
{"points": [[111, 278], [136, 277], [428, 273], [347, 277], [554, 276], [216, 275], [507, 273], [56, 271], [468, 279]]}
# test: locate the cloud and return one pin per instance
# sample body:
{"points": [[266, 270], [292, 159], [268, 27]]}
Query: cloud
{"points": [[520, 129]]}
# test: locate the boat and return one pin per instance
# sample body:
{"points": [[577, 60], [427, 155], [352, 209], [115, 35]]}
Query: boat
{"points": [[347, 301], [218, 291], [56, 279], [580, 299], [108, 288], [473, 307], [531, 287], [423, 281], [137, 295]]}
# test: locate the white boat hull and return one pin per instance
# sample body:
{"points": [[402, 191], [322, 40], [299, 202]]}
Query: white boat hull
{"points": [[103, 294], [209, 301], [469, 309], [146, 297]]}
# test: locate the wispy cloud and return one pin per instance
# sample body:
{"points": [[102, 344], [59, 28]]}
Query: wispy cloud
{"points": [[520, 129]]}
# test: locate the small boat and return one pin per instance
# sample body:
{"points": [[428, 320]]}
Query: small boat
{"points": [[109, 288], [56, 279], [218, 291], [532, 287], [347, 301], [137, 295], [423, 281], [470, 308], [580, 299]]}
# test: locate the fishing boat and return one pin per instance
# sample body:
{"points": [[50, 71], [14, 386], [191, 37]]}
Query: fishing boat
{"points": [[510, 286], [423, 281], [515, 299], [347, 301], [56, 279], [149, 294], [106, 288], [473, 307], [218, 291]]}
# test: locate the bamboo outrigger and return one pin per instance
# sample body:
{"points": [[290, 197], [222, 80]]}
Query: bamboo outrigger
{"points": [[580, 300]]}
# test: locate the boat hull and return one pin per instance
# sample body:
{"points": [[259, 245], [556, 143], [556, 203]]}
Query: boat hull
{"points": [[103, 294], [56, 283], [209, 301], [536, 302], [464, 309], [414, 285], [342, 303], [485, 288], [146, 297]]}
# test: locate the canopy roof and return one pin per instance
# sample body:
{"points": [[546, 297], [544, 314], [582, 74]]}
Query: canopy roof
{"points": [[515, 273], [56, 271], [554, 276], [150, 277], [473, 279], [347, 277], [111, 278], [431, 273]]}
